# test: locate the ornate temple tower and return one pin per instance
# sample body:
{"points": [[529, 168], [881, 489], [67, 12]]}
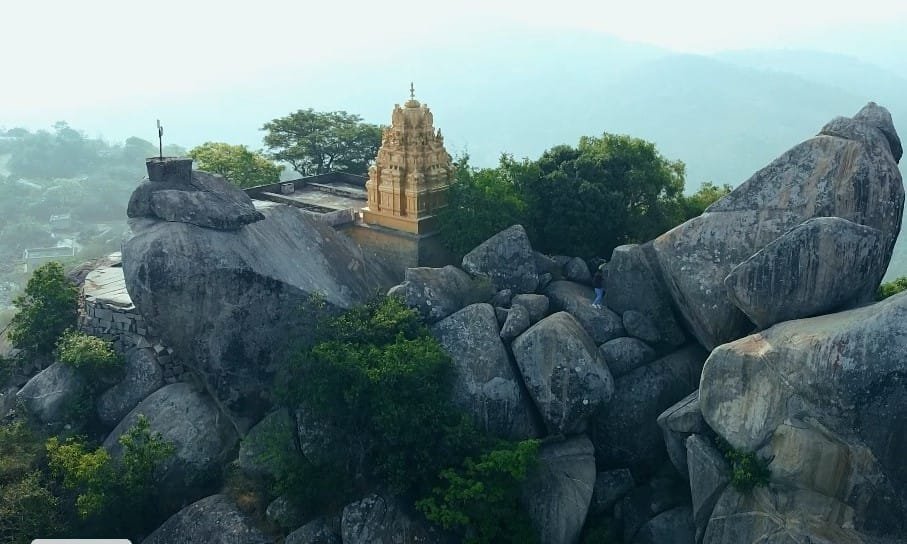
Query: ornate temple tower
{"points": [[409, 181]]}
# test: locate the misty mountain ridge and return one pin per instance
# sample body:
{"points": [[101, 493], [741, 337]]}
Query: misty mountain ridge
{"points": [[521, 91]]}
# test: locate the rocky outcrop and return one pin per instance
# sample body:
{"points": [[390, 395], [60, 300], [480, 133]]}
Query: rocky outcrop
{"points": [[506, 259], [610, 487], [646, 502], [205, 200], [824, 398], [143, 376], [51, 393], [627, 433], [272, 434], [536, 304], [438, 292], [203, 440], [577, 270], [709, 475], [557, 494], [516, 323], [633, 283], [485, 384], [674, 525], [625, 354], [822, 265], [600, 323], [564, 372], [679, 422], [848, 171], [317, 531], [383, 520], [212, 520], [227, 301]]}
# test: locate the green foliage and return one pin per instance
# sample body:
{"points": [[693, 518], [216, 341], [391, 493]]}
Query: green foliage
{"points": [[892, 288], [695, 204], [87, 353], [481, 498], [89, 472], [380, 381], [605, 192], [28, 509], [237, 163], [48, 307], [481, 203], [114, 493], [748, 470], [319, 142]]}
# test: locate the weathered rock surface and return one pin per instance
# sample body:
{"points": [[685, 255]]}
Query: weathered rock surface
{"points": [[507, 259], [677, 423], [674, 525], [638, 325], [600, 323], [203, 440], [536, 304], [438, 292], [51, 392], [610, 487], [823, 264], [516, 323], [317, 531], [276, 430], [577, 270], [545, 264], [634, 283], [143, 376], [625, 354], [206, 201], [485, 385], [212, 520], [558, 493], [849, 173], [285, 514], [709, 474], [647, 501], [225, 301], [383, 520], [502, 298], [825, 398], [627, 433], [7, 401], [564, 372]]}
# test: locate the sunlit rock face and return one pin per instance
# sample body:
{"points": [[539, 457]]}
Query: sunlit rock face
{"points": [[825, 399], [849, 171], [230, 300]]}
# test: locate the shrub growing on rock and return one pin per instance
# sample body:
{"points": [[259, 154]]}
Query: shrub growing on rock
{"points": [[748, 470], [87, 353], [116, 495]]}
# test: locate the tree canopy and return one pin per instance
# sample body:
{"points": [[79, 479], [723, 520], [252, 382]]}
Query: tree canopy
{"points": [[48, 307], [319, 142], [237, 163], [583, 201]]}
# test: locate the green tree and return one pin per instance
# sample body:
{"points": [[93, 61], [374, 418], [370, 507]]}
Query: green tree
{"points": [[319, 142], [48, 307], [237, 163], [695, 204], [607, 191], [481, 203], [892, 288]]}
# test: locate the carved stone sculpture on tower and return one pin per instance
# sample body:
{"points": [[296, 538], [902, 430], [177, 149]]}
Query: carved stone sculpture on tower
{"points": [[411, 176]]}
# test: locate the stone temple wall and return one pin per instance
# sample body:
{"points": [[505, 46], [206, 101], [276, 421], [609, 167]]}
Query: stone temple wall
{"points": [[106, 311]]}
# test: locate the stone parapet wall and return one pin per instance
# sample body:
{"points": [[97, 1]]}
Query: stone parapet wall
{"points": [[127, 329]]}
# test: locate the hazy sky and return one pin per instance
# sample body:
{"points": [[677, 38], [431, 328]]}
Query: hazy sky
{"points": [[65, 56]]}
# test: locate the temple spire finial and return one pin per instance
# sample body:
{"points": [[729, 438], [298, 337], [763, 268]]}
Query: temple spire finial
{"points": [[412, 91]]}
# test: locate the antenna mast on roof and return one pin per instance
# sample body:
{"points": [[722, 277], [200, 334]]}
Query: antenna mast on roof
{"points": [[160, 140], [412, 91]]}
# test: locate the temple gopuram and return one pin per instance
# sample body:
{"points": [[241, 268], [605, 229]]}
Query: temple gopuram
{"points": [[411, 176]]}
